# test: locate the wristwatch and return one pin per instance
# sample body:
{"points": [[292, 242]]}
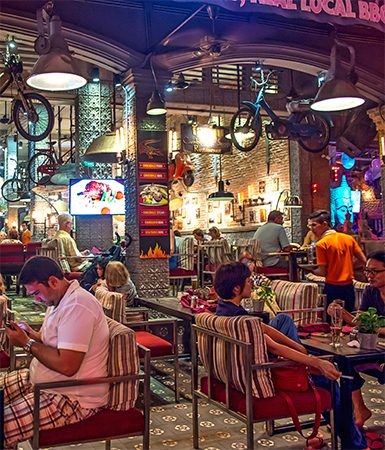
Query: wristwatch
{"points": [[28, 345]]}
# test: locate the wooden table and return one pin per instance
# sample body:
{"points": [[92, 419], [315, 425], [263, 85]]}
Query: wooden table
{"points": [[346, 358]]}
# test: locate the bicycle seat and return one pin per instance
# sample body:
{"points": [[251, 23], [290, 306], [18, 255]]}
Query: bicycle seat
{"points": [[297, 106]]}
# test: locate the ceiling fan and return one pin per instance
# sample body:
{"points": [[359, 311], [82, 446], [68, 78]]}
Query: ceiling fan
{"points": [[211, 45]]}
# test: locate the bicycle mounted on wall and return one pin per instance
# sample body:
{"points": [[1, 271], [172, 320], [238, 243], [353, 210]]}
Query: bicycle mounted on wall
{"points": [[310, 129], [31, 111]]}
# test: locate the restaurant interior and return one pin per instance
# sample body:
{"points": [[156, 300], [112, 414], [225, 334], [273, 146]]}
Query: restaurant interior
{"points": [[169, 131]]}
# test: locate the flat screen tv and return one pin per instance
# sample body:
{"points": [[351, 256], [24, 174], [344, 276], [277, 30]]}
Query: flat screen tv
{"points": [[96, 197]]}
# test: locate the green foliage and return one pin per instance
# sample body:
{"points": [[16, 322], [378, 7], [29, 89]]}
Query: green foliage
{"points": [[263, 294], [369, 321]]}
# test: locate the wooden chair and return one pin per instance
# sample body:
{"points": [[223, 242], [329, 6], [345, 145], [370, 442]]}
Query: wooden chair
{"points": [[187, 268], [212, 255], [11, 260], [113, 304], [238, 380], [120, 418], [31, 250]]}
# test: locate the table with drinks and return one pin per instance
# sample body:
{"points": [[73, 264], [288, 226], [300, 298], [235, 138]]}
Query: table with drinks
{"points": [[345, 356]]}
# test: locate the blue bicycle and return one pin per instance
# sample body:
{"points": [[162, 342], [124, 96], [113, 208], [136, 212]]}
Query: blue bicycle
{"points": [[310, 129]]}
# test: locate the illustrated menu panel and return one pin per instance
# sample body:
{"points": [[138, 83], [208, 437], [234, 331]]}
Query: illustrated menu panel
{"points": [[153, 195]]}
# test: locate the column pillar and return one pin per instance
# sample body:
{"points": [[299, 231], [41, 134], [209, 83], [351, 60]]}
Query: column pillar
{"points": [[295, 189], [378, 117], [150, 275], [93, 118]]}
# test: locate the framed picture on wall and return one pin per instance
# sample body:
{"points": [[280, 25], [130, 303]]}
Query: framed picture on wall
{"points": [[210, 207], [262, 215], [198, 213], [228, 209], [219, 218], [275, 184], [262, 187], [286, 214], [251, 216]]}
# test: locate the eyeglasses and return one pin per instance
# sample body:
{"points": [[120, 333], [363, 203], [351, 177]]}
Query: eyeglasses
{"points": [[373, 271]]}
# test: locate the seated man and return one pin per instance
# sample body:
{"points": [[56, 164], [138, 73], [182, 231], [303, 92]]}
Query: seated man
{"points": [[373, 296], [72, 344], [66, 246], [232, 283], [273, 239]]}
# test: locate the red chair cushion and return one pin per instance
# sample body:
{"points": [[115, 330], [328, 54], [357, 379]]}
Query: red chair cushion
{"points": [[157, 345], [105, 424], [72, 275], [268, 408], [272, 270], [179, 272], [5, 360]]}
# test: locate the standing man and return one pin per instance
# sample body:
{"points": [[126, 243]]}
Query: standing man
{"points": [[335, 252], [273, 239], [72, 344], [66, 246], [25, 233]]}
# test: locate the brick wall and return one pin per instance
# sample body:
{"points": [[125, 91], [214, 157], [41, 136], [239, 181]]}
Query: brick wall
{"points": [[246, 173]]}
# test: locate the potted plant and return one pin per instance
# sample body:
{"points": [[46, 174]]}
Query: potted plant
{"points": [[369, 323], [261, 295]]}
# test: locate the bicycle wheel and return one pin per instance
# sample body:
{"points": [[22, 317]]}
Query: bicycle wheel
{"points": [[320, 139], [245, 129], [37, 160], [36, 123], [12, 190]]}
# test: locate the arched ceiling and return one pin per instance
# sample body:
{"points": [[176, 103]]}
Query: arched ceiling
{"points": [[120, 34]]}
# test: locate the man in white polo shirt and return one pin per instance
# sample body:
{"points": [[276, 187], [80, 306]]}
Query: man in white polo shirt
{"points": [[72, 344]]}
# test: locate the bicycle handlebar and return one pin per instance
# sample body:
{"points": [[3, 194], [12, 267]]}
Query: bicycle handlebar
{"points": [[264, 81]]}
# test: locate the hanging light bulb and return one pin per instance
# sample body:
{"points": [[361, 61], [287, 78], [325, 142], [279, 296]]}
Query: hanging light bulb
{"points": [[206, 135]]}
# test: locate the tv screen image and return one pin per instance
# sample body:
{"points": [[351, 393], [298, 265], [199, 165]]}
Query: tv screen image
{"points": [[96, 197]]}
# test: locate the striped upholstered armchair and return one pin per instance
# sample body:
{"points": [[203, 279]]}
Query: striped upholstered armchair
{"points": [[120, 417], [238, 378], [302, 301]]}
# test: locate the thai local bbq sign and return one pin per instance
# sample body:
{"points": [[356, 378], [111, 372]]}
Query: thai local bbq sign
{"points": [[343, 12], [154, 235]]}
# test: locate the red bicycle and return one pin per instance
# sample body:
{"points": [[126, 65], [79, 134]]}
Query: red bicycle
{"points": [[45, 163]]}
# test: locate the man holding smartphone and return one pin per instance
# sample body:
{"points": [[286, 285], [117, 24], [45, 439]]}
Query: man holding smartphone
{"points": [[72, 344]]}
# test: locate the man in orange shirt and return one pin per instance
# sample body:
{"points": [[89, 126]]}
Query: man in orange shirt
{"points": [[335, 252], [26, 234]]}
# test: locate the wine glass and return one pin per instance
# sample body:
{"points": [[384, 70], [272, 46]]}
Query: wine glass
{"points": [[336, 322]]}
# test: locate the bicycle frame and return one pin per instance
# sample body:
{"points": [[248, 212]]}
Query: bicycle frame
{"points": [[260, 101]]}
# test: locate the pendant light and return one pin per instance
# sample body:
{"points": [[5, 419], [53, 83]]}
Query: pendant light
{"points": [[221, 195], [56, 69], [338, 92], [156, 105]]}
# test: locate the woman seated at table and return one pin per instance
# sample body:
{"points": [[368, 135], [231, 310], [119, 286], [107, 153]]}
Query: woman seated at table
{"points": [[13, 237], [232, 283], [373, 296], [117, 281]]}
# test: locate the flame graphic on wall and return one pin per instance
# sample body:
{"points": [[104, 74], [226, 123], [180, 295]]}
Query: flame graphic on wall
{"points": [[156, 253]]}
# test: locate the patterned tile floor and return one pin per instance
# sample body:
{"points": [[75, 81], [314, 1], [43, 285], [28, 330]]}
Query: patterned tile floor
{"points": [[171, 425]]}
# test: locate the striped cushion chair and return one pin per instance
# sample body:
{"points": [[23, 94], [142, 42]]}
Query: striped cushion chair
{"points": [[233, 352], [119, 418], [359, 288], [294, 297]]}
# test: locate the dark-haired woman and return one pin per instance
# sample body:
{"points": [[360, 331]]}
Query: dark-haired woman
{"points": [[373, 297]]}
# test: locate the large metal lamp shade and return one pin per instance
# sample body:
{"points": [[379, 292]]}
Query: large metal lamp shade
{"points": [[104, 149], [156, 106], [337, 95], [221, 195], [338, 92], [56, 69]]}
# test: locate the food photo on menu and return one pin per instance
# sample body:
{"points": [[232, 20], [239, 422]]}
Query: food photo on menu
{"points": [[153, 195], [97, 197]]}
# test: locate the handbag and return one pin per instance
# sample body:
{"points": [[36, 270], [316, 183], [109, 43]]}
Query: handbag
{"points": [[297, 379]]}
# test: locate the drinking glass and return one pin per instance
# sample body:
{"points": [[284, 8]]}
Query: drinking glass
{"points": [[336, 322]]}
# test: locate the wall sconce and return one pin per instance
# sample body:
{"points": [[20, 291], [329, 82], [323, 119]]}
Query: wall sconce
{"points": [[56, 69], [338, 92], [291, 201]]}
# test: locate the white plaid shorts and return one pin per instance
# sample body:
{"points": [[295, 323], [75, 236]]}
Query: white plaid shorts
{"points": [[56, 410]]}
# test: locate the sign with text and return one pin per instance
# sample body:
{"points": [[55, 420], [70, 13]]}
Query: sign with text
{"points": [[343, 12], [154, 234]]}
